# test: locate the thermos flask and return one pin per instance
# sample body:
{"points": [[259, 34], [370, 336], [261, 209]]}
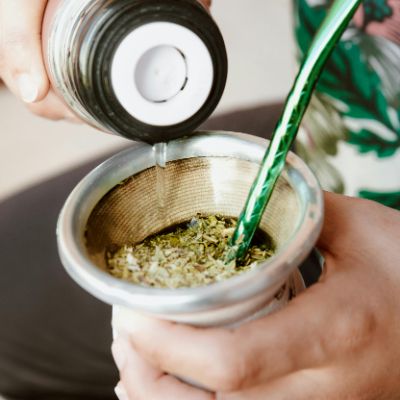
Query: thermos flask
{"points": [[149, 70]]}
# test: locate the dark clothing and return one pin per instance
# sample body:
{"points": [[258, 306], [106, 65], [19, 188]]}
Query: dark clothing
{"points": [[54, 337]]}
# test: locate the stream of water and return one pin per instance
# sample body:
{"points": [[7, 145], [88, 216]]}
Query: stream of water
{"points": [[160, 157]]}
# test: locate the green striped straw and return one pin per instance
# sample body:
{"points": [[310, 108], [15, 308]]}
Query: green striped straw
{"points": [[328, 35]]}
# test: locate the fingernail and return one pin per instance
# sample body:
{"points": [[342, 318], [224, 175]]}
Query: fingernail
{"points": [[120, 349], [28, 88], [121, 392]]}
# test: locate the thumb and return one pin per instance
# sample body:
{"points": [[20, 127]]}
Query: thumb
{"points": [[21, 61]]}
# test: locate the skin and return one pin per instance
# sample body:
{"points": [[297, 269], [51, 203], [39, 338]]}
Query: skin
{"points": [[21, 56], [338, 340]]}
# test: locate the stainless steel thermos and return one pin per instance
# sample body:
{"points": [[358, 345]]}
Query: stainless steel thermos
{"points": [[149, 70]]}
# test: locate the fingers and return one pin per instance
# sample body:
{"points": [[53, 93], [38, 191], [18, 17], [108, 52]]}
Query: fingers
{"points": [[180, 350], [53, 108], [139, 380], [230, 360], [280, 344], [21, 63]]}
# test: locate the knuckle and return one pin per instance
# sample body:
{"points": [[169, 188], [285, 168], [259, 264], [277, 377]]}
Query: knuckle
{"points": [[354, 330], [229, 377], [157, 354], [235, 370]]}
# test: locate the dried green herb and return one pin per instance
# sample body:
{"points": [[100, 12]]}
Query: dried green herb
{"points": [[188, 256]]}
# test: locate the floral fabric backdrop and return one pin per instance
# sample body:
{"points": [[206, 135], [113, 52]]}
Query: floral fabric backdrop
{"points": [[351, 133]]}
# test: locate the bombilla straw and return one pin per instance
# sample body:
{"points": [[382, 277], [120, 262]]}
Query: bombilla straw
{"points": [[328, 35]]}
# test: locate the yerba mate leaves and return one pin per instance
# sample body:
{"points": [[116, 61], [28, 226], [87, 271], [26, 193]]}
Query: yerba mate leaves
{"points": [[188, 256]]}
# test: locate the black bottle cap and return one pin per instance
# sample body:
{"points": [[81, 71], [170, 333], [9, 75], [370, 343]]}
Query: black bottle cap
{"points": [[150, 70]]}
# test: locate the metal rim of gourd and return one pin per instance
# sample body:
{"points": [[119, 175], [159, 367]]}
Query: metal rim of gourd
{"points": [[272, 273]]}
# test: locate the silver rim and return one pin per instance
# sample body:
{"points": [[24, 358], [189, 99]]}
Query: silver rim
{"points": [[269, 276]]}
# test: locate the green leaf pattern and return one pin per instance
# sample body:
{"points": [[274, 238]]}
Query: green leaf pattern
{"points": [[389, 199], [376, 10], [355, 100]]}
